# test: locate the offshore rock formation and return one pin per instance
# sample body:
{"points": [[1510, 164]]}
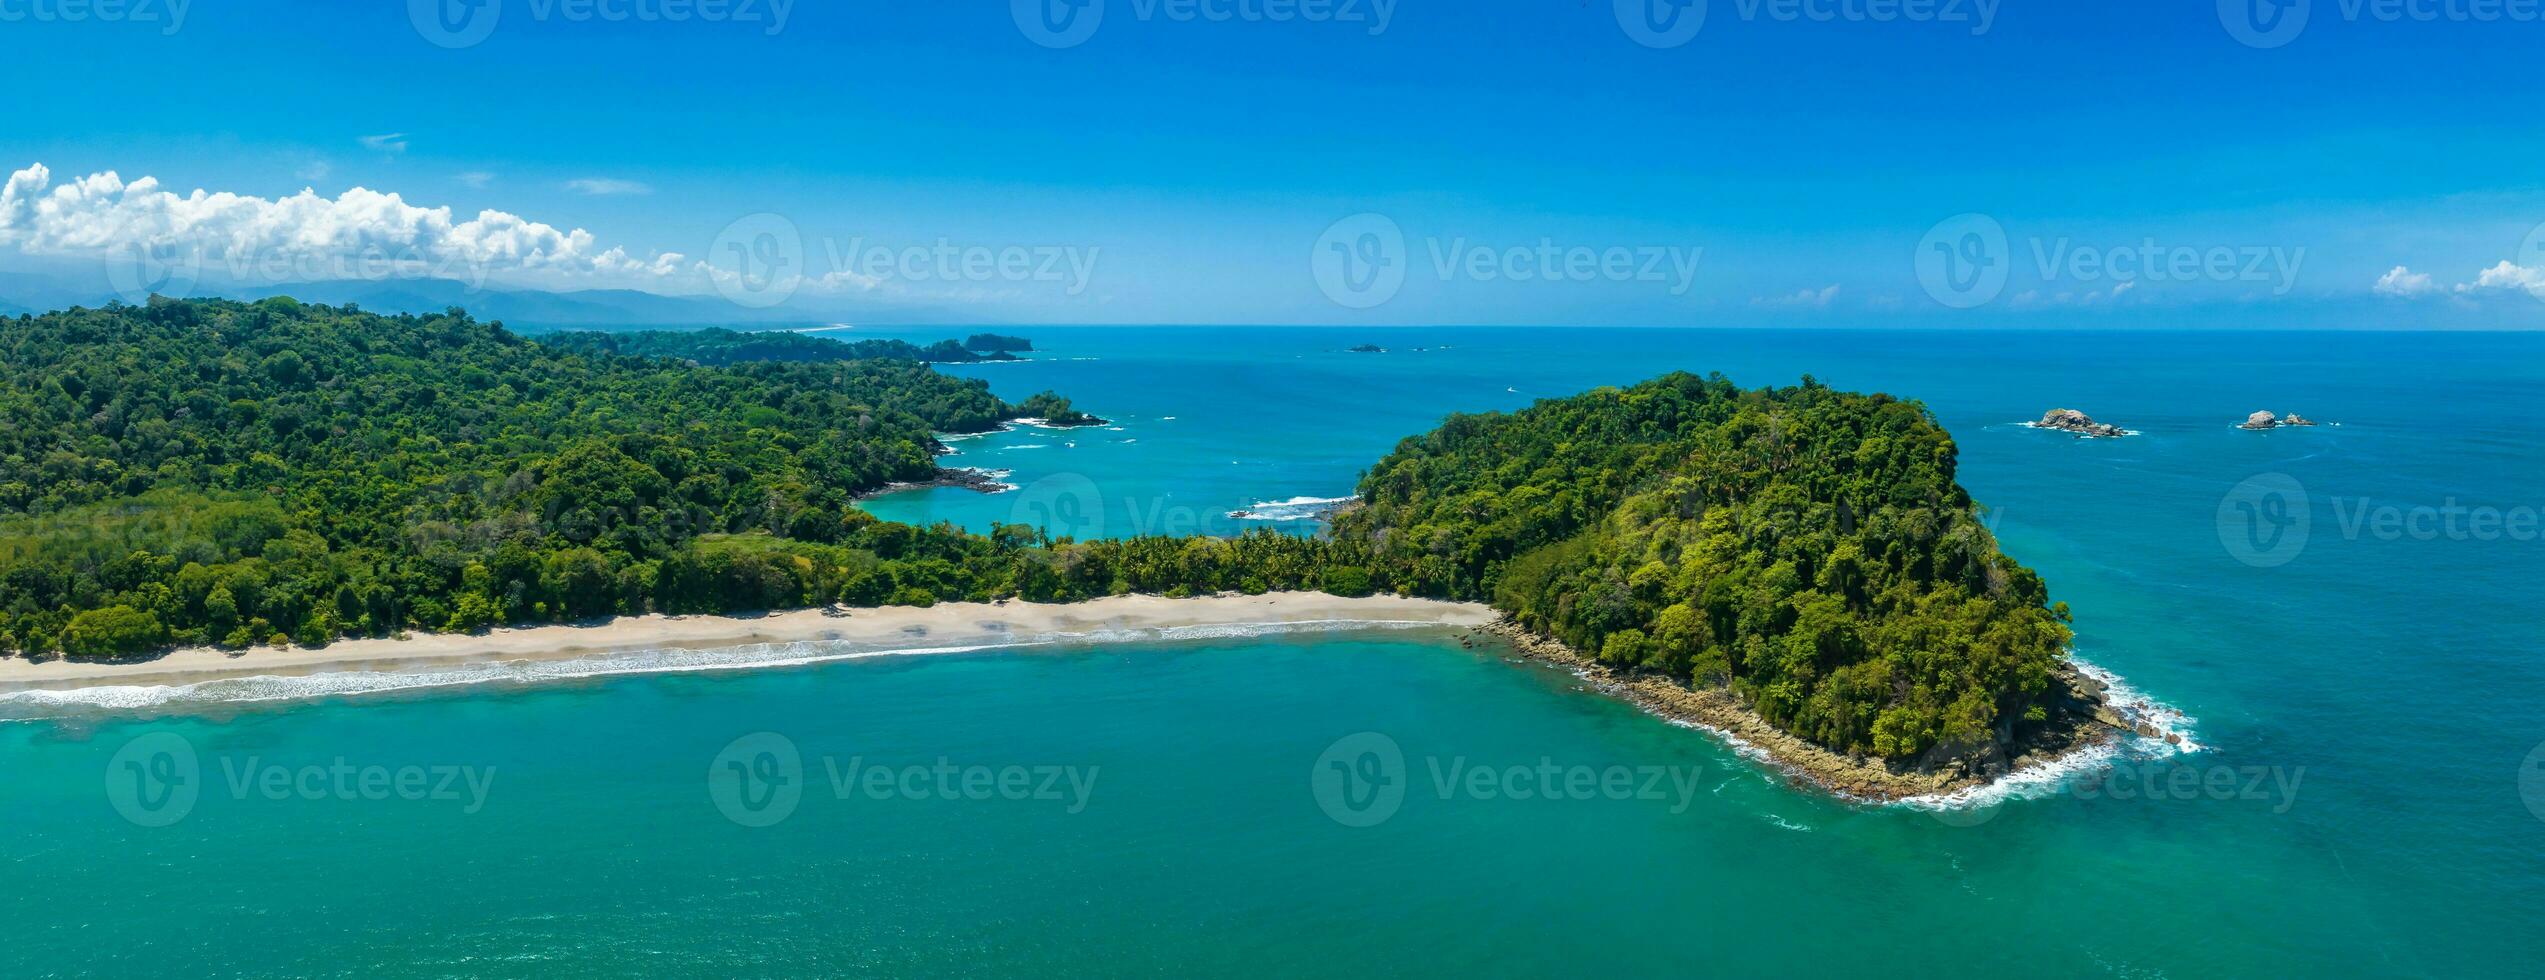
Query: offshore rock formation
{"points": [[2071, 420]]}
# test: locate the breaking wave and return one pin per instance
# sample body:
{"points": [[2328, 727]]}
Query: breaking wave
{"points": [[1293, 509]]}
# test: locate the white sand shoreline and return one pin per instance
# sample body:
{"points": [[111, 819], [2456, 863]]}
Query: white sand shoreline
{"points": [[940, 626]]}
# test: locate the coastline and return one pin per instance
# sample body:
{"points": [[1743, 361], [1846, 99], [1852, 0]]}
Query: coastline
{"points": [[885, 628], [2093, 726]]}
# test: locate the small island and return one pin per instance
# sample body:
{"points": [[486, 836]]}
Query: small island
{"points": [[994, 343], [2260, 421], [2071, 420], [1367, 349], [1051, 410]]}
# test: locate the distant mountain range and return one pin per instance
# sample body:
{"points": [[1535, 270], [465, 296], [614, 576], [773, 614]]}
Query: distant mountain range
{"points": [[23, 292]]}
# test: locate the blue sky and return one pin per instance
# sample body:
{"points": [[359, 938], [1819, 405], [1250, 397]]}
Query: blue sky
{"points": [[1526, 162]]}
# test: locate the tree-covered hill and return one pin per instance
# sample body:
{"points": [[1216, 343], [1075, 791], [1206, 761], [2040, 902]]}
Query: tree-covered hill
{"points": [[1807, 547], [717, 346]]}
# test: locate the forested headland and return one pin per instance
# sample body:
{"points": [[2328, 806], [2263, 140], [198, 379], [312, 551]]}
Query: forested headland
{"points": [[242, 474], [1806, 547]]}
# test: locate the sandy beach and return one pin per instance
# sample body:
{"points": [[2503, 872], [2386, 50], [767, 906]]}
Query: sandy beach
{"points": [[943, 625]]}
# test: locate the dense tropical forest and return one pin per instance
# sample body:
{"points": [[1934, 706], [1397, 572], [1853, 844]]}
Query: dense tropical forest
{"points": [[213, 472], [235, 474], [717, 346]]}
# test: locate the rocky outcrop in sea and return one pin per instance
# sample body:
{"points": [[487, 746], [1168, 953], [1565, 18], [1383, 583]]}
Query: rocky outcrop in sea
{"points": [[2071, 420], [2259, 421]]}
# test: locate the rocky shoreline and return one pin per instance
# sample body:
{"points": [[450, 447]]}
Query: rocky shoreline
{"points": [[960, 478], [2081, 718]]}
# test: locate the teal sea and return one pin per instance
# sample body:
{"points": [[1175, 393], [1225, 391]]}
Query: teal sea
{"points": [[2345, 615]]}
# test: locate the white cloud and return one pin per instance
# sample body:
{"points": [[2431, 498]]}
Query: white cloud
{"points": [[2400, 281], [314, 170], [2509, 275], [2033, 298], [2506, 276], [1814, 299], [477, 179], [306, 236], [386, 142], [607, 187]]}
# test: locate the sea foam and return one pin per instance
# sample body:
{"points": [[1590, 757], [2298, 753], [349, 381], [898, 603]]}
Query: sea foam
{"points": [[1293, 509]]}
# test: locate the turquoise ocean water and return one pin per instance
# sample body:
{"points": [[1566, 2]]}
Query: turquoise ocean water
{"points": [[2345, 614]]}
